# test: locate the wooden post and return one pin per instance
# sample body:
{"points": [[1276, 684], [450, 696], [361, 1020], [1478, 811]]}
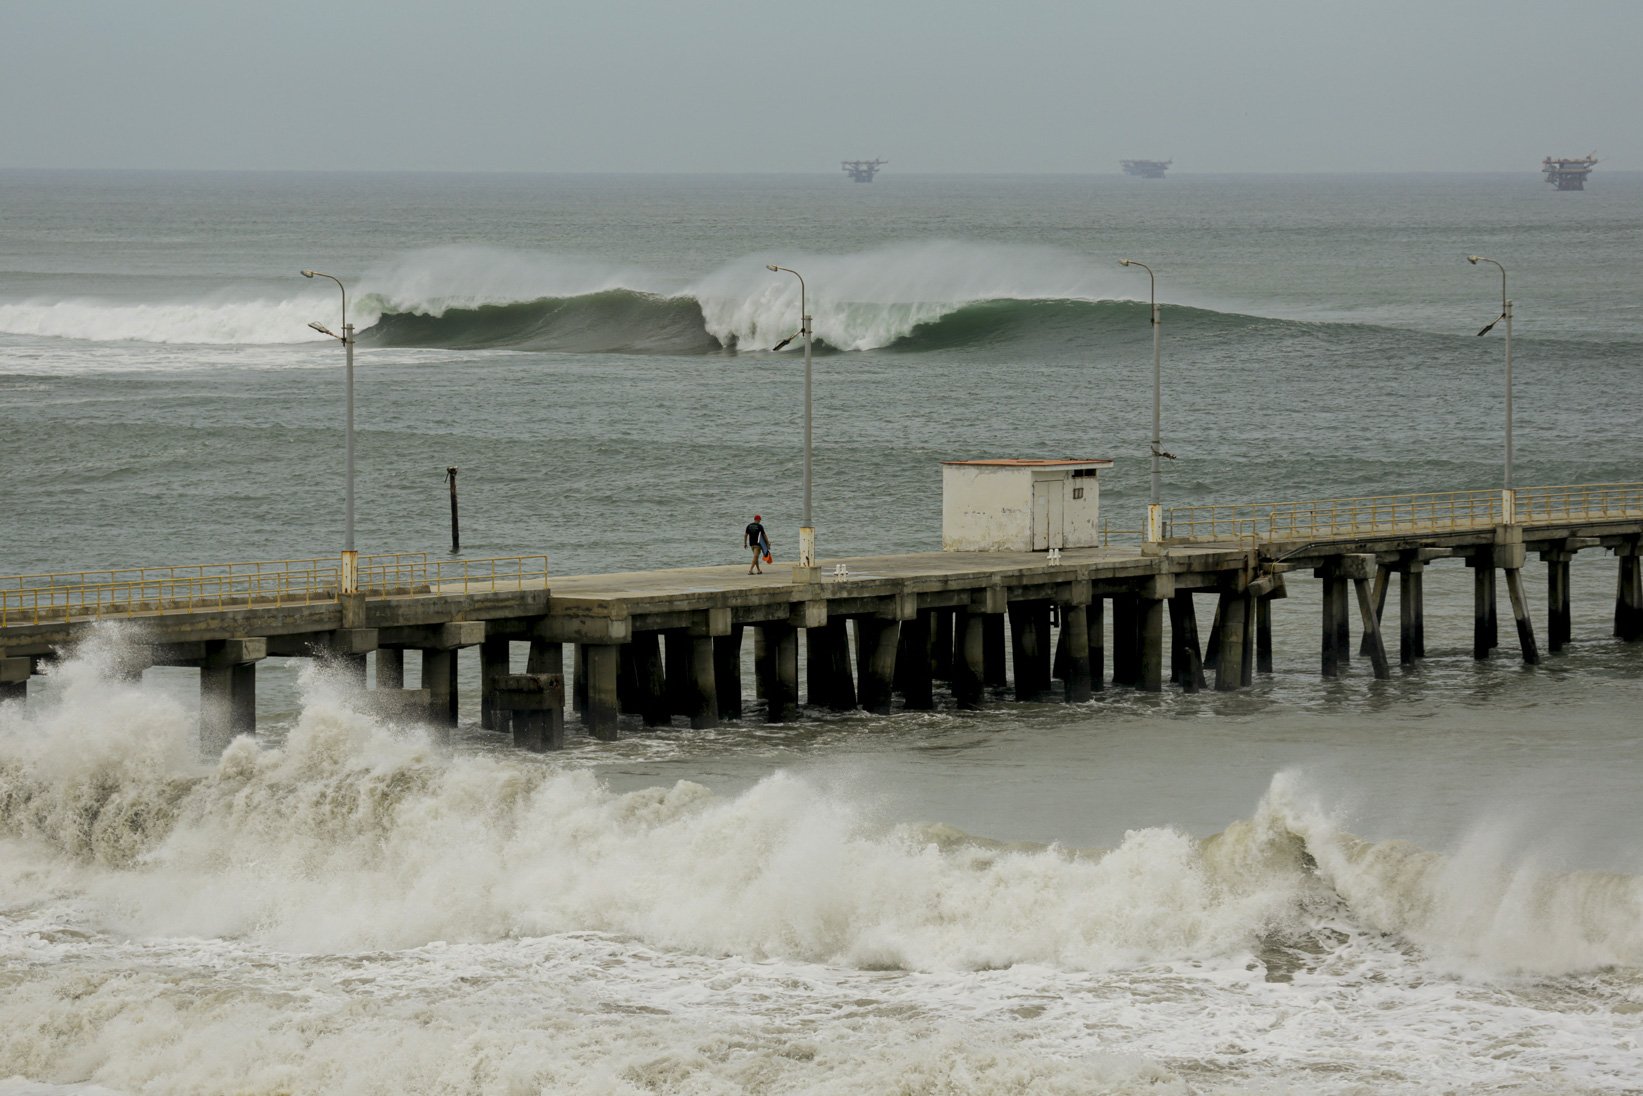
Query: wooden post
{"points": [[456, 529], [1075, 634], [1095, 628], [1377, 598], [916, 681], [1229, 667], [727, 672], [703, 694], [1520, 612], [493, 664], [439, 678], [992, 633], [390, 668], [969, 659], [781, 687], [1184, 641], [1372, 628], [1150, 622], [601, 661]]}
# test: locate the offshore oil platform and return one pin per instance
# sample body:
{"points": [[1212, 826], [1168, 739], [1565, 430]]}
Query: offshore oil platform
{"points": [[1146, 169], [862, 171], [1569, 174]]}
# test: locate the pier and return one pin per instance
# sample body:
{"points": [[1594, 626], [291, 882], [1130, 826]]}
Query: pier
{"points": [[601, 652]]}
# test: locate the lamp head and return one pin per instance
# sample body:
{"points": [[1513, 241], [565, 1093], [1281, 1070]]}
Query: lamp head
{"points": [[771, 266], [1123, 262], [1473, 259], [307, 273], [323, 330]]}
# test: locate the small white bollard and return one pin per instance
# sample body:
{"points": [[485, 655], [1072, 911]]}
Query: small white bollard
{"points": [[841, 571], [1055, 557]]}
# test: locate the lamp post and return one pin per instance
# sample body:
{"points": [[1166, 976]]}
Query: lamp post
{"points": [[350, 558], [1155, 511], [1505, 314], [807, 530]]}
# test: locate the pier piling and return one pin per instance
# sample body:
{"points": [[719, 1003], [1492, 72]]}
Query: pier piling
{"points": [[1075, 633], [1229, 665], [601, 661], [781, 672], [913, 663], [439, 678], [727, 672], [493, 665], [1520, 613], [390, 668]]}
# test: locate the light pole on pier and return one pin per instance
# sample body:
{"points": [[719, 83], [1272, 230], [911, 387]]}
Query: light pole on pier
{"points": [[350, 558], [806, 568], [1505, 314], [1154, 531]]}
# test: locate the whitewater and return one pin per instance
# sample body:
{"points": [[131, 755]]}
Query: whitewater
{"points": [[1427, 884]]}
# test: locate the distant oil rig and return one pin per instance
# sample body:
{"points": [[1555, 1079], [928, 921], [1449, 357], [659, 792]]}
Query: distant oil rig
{"points": [[1569, 174], [862, 171], [1146, 169]]}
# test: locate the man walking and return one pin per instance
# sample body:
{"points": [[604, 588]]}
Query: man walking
{"points": [[755, 537]]}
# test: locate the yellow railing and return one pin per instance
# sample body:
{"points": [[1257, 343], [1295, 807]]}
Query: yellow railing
{"points": [[1400, 515], [1581, 503], [193, 588]]}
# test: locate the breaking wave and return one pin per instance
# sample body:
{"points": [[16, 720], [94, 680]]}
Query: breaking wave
{"points": [[355, 834]]}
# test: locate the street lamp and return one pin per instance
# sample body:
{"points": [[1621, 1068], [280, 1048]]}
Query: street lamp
{"points": [[807, 531], [350, 558], [1505, 314], [1155, 511]]}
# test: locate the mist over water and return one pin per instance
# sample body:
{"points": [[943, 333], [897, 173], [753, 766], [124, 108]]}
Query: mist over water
{"points": [[1427, 884]]}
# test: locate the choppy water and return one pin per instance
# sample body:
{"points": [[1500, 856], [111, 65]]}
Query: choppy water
{"points": [[1427, 884]]}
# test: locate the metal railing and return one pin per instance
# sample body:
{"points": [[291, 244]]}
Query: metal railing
{"points": [[192, 588], [1403, 515], [455, 576], [1579, 503]]}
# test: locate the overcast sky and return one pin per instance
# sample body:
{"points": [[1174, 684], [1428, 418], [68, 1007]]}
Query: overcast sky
{"points": [[782, 86]]}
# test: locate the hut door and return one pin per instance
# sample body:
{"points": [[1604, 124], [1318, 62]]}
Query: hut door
{"points": [[1049, 518]]}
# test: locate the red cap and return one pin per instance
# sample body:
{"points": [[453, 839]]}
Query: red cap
{"points": [[757, 518]]}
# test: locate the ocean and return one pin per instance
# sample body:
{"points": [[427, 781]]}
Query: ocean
{"points": [[1428, 884]]}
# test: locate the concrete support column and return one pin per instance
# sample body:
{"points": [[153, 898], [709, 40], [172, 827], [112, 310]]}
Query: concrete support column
{"points": [[969, 659], [547, 658], [1371, 629], [1126, 640], [1232, 626], [1095, 630], [678, 672], [601, 662], [1330, 630], [913, 663], [1559, 608], [703, 694], [1411, 613], [649, 679], [1187, 664], [1628, 602], [1263, 635], [493, 665], [1485, 630], [439, 678], [879, 639], [727, 672], [390, 668], [1212, 646], [1029, 632], [781, 672], [534, 705], [1377, 598], [1150, 622], [841, 685], [628, 693], [14, 678], [1520, 613], [992, 634], [579, 681], [942, 644], [761, 654], [1075, 635]]}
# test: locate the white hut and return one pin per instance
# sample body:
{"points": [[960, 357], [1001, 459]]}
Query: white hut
{"points": [[1020, 505]]}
